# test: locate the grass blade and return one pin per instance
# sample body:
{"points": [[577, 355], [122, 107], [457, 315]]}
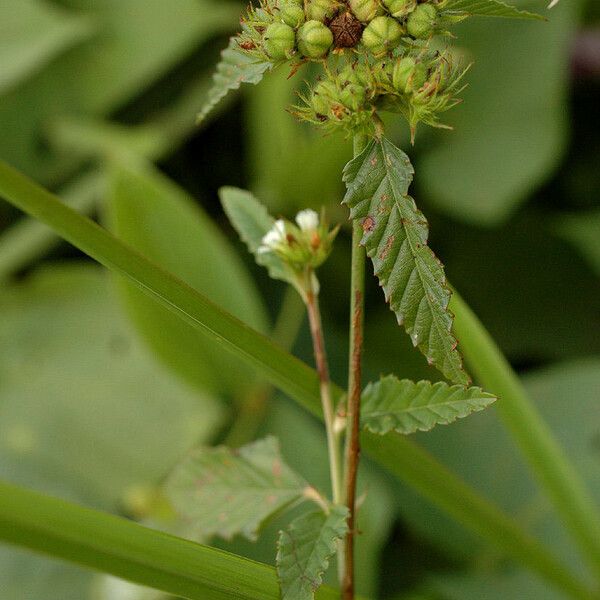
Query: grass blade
{"points": [[125, 549]]}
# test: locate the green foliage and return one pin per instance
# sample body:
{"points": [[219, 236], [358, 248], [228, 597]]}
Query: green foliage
{"points": [[120, 547], [583, 231], [395, 236], [305, 549], [32, 34], [252, 221], [520, 105], [234, 69], [404, 406], [488, 8], [162, 222], [226, 492]]}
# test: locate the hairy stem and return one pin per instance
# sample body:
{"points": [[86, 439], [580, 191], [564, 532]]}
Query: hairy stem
{"points": [[357, 286], [316, 330]]}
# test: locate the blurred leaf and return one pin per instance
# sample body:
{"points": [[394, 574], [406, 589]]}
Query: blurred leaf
{"points": [[106, 587], [291, 165], [84, 411], [137, 42], [404, 406], [511, 131], [158, 219], [31, 34], [27, 577], [567, 396], [488, 8], [305, 549], [583, 231], [225, 492], [252, 221], [395, 236], [234, 69]]}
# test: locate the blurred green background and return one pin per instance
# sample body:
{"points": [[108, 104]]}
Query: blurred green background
{"points": [[101, 391]]}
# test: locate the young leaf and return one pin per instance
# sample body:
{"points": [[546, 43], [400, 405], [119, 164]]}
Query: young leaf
{"points": [[226, 492], [404, 406], [488, 8], [304, 550], [252, 221], [234, 69], [395, 236]]}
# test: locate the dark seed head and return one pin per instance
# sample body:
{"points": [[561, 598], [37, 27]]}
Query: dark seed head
{"points": [[346, 29]]}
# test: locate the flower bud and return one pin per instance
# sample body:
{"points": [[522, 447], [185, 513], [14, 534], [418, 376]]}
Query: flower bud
{"points": [[365, 10], [353, 96], [321, 10], [408, 75], [382, 34], [279, 41], [400, 8], [314, 39], [292, 13], [422, 21], [323, 95]]}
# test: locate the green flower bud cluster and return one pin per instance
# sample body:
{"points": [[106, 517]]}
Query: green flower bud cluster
{"points": [[418, 84], [279, 30], [305, 244], [389, 66]]}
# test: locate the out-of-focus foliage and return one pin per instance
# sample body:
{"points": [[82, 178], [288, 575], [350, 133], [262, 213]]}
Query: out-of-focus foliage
{"points": [[87, 411]]}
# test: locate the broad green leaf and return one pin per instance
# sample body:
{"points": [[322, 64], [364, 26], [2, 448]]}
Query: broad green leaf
{"points": [[137, 42], [583, 232], [252, 221], [511, 132], [226, 492], [402, 458], [86, 411], [161, 221], [488, 8], [305, 549], [395, 236], [31, 34], [404, 406], [234, 69], [125, 549]]}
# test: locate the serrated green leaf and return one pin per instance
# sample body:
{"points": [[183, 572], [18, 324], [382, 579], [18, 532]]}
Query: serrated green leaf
{"points": [[488, 8], [252, 221], [404, 406], [226, 492], [395, 236], [304, 550], [234, 69]]}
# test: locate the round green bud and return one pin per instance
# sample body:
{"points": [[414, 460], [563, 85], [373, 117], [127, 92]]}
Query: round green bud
{"points": [[279, 41], [365, 10], [400, 8], [408, 75], [314, 39], [292, 13], [320, 10], [382, 34], [353, 96], [422, 21]]}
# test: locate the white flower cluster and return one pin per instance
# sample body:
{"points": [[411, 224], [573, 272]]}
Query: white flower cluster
{"points": [[277, 236]]}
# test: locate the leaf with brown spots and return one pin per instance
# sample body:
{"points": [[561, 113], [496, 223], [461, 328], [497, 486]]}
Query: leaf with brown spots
{"points": [[225, 492], [395, 236], [304, 550]]}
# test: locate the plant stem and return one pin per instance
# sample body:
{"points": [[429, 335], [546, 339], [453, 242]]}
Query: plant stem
{"points": [[571, 498], [316, 330], [357, 286]]}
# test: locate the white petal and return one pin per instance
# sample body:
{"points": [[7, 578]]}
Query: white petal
{"points": [[279, 227], [308, 220], [553, 3]]}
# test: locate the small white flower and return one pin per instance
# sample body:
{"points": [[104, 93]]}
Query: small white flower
{"points": [[308, 220], [273, 238], [553, 3]]}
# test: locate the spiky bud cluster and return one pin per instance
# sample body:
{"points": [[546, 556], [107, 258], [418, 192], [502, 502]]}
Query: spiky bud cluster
{"points": [[383, 49]]}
